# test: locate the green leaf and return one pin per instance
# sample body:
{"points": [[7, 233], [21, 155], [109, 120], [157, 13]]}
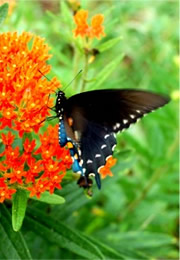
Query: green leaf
{"points": [[140, 148], [140, 240], [50, 198], [72, 204], [60, 234], [12, 245], [108, 44], [3, 12], [66, 15], [123, 155], [119, 253], [60, 56], [18, 209], [108, 69], [109, 252]]}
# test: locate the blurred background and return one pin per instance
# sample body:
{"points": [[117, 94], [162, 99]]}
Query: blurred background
{"points": [[136, 211]]}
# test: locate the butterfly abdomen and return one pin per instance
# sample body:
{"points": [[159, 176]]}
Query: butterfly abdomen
{"points": [[62, 133]]}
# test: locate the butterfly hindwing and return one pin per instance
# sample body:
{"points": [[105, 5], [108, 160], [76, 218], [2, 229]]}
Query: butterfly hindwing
{"points": [[97, 144]]}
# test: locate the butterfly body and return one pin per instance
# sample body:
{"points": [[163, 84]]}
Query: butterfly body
{"points": [[64, 139], [88, 122]]}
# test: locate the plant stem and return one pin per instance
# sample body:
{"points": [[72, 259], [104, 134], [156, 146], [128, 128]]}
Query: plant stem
{"points": [[144, 192], [85, 71], [75, 68]]}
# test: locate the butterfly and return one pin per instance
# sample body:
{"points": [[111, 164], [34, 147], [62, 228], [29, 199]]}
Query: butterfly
{"points": [[88, 123]]}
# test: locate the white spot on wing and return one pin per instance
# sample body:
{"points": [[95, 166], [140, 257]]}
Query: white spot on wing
{"points": [[97, 155], [132, 116], [91, 174], [106, 136], [113, 147], [79, 152], [81, 162], [77, 135], [125, 121], [116, 126], [89, 161], [103, 146], [138, 111]]}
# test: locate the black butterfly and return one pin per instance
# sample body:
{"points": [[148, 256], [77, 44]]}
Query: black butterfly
{"points": [[88, 122]]}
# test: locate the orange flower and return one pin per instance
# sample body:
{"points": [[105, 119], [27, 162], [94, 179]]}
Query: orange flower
{"points": [[29, 146], [50, 147], [96, 26], [9, 139], [16, 175], [29, 171], [96, 30], [35, 168], [5, 192], [105, 170], [82, 26], [24, 93], [38, 187], [12, 155], [55, 182]]}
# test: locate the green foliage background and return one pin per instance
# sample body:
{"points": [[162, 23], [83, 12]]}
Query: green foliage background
{"points": [[135, 215]]}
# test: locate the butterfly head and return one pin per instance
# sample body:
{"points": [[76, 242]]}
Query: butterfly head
{"points": [[60, 94]]}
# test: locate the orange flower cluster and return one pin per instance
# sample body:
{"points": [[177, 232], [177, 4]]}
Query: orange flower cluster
{"points": [[105, 171], [25, 171], [95, 30], [24, 102], [22, 89]]}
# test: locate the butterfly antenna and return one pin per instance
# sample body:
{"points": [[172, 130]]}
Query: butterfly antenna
{"points": [[46, 78], [72, 80]]}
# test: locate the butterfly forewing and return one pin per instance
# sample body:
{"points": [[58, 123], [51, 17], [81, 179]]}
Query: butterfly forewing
{"points": [[115, 109]]}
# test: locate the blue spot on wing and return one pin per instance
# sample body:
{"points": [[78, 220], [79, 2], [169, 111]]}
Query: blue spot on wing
{"points": [[76, 167]]}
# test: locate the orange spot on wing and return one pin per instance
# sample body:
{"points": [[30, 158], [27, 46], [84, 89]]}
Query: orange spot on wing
{"points": [[69, 145], [70, 121]]}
